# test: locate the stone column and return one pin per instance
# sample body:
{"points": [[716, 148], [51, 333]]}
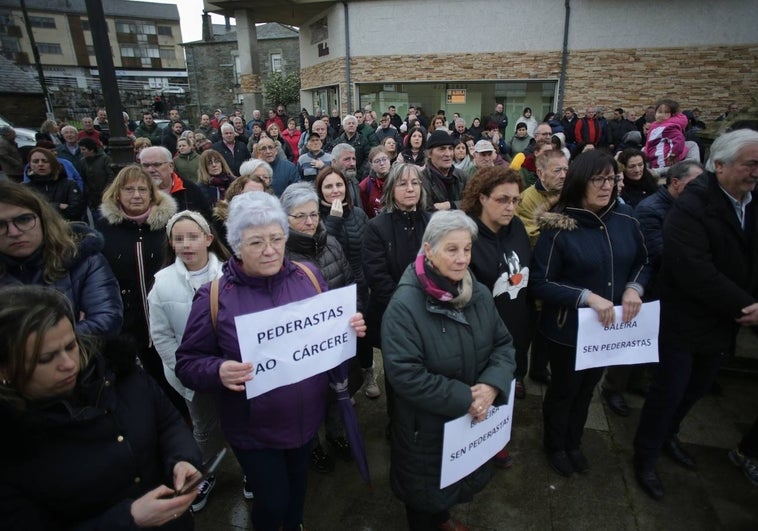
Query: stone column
{"points": [[250, 69]]}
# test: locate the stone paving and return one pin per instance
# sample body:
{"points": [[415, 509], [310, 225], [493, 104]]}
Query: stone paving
{"points": [[530, 496]]}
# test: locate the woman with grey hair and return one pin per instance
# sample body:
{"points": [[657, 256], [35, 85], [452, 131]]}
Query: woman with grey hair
{"points": [[448, 354], [309, 241], [270, 434]]}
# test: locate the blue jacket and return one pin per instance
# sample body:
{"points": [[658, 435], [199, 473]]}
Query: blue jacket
{"points": [[650, 212], [579, 250], [285, 173], [286, 417], [89, 282]]}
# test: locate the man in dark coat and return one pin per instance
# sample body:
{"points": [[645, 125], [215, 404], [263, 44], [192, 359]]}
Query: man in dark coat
{"points": [[359, 142], [234, 151], [159, 164], [443, 182], [708, 286]]}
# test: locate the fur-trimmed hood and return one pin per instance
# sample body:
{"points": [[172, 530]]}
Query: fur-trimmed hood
{"points": [[556, 220], [572, 218], [163, 208]]}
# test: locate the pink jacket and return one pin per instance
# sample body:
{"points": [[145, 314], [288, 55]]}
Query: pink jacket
{"points": [[666, 137]]}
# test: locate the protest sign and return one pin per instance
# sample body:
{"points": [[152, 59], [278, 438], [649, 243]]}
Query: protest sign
{"points": [[290, 343], [620, 343], [467, 445]]}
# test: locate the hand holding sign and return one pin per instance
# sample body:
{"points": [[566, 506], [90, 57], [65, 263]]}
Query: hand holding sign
{"points": [[631, 304], [358, 324], [603, 308], [482, 397], [234, 374]]}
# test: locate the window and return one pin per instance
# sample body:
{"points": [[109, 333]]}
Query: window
{"points": [[146, 61], [168, 52], [51, 48], [42, 22], [158, 82], [9, 44], [141, 38], [137, 27], [276, 62], [139, 51], [165, 30], [91, 51], [85, 24]]}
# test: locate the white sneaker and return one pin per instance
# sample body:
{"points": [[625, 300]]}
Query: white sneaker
{"points": [[247, 491], [204, 489], [370, 388]]}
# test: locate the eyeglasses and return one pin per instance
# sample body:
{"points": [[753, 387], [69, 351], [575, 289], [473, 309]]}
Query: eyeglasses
{"points": [[598, 181], [148, 165], [300, 218], [260, 245], [23, 223], [404, 184], [505, 200], [131, 190], [383, 160]]}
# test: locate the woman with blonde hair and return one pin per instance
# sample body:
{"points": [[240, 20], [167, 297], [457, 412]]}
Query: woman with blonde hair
{"points": [[134, 217]]}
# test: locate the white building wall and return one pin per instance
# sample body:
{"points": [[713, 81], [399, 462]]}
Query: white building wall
{"points": [[391, 27]]}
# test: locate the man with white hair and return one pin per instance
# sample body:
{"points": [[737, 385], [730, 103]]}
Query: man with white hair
{"points": [[233, 151], [159, 165], [69, 149], [359, 142], [708, 284], [344, 161]]}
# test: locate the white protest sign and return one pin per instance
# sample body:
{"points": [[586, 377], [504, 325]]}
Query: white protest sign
{"points": [[621, 343], [290, 343], [467, 445]]}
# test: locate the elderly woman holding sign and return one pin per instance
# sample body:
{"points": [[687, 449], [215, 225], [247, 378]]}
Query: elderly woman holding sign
{"points": [[271, 433], [446, 353], [590, 253]]}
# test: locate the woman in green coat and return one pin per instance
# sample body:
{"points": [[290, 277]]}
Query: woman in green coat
{"points": [[446, 353]]}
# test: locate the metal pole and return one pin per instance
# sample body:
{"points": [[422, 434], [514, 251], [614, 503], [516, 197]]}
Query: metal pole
{"points": [[120, 146], [37, 62]]}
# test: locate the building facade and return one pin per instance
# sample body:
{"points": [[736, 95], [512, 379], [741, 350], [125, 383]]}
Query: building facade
{"points": [[144, 38], [545, 54], [214, 66]]}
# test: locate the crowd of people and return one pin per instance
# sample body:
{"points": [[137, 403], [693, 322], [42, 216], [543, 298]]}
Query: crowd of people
{"points": [[471, 258]]}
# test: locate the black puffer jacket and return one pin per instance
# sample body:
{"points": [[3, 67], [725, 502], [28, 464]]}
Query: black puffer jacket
{"points": [[136, 253], [391, 241], [60, 191], [88, 283], [79, 463], [348, 231], [323, 251]]}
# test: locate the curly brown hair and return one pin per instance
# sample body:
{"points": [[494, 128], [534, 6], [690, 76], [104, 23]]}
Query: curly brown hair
{"points": [[483, 182]]}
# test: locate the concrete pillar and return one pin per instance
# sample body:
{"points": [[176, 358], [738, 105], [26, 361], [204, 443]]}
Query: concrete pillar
{"points": [[250, 69]]}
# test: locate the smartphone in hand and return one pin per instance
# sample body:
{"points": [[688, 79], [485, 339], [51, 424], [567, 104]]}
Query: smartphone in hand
{"points": [[208, 469]]}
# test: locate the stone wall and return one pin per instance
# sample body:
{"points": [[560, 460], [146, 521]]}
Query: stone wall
{"points": [[213, 86], [705, 77]]}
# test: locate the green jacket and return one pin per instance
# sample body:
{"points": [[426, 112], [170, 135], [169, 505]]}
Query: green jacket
{"points": [[433, 355], [186, 166]]}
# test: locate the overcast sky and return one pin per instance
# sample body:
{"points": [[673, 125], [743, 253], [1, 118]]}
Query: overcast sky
{"points": [[190, 13]]}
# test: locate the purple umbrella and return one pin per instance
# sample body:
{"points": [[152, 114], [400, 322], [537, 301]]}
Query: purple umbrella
{"points": [[338, 382]]}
